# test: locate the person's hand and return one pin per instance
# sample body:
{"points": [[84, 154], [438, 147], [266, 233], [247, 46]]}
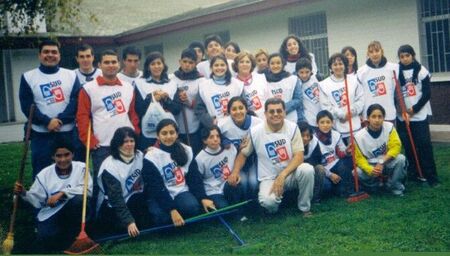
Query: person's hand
{"points": [[177, 220], [54, 199], [208, 205], [18, 189], [378, 170], [335, 178], [405, 116], [349, 149], [164, 95], [54, 125], [157, 95], [234, 179], [133, 231], [244, 143], [182, 94], [410, 111], [278, 186]]}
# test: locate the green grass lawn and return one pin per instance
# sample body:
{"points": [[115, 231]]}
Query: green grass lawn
{"points": [[417, 222]]}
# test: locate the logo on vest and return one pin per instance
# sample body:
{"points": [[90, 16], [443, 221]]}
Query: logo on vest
{"points": [[221, 169], [253, 100], [277, 93], [52, 92], [134, 182], [173, 174], [377, 86], [340, 97], [409, 90], [313, 93], [114, 104], [328, 157], [220, 102], [380, 151], [276, 151]]}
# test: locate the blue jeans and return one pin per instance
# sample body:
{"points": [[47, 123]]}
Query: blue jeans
{"points": [[231, 195]]}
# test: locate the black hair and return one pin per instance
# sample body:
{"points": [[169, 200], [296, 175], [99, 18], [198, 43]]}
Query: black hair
{"points": [[235, 46], [335, 57], [49, 42], [273, 55], [197, 44], [406, 48], [322, 114], [149, 59], [353, 52], [374, 107], [228, 73], [108, 52], [303, 63], [304, 126], [205, 131], [118, 139], [178, 154], [233, 100], [274, 101], [301, 48], [85, 47], [131, 50], [61, 142], [189, 53], [212, 38]]}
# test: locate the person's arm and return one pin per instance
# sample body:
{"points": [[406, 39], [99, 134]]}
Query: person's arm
{"points": [[141, 104], [426, 95], [154, 187], [201, 112], [296, 102], [316, 156], [36, 196], [84, 117], [68, 115], [195, 182], [26, 98], [134, 118], [170, 105], [327, 104], [278, 185], [394, 146], [70, 192], [357, 106], [362, 162]]}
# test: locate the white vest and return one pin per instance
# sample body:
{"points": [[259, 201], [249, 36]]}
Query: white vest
{"points": [[379, 87], [284, 90], [53, 184], [84, 79], [204, 69], [230, 130], [311, 104], [413, 92], [273, 149], [215, 169], [329, 156], [290, 66], [191, 88], [311, 146], [172, 175], [216, 96], [334, 94], [109, 107], [128, 79], [374, 149], [129, 176], [256, 94], [51, 93]]}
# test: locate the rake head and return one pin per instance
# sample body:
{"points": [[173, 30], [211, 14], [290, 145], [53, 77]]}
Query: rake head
{"points": [[83, 245], [358, 196]]}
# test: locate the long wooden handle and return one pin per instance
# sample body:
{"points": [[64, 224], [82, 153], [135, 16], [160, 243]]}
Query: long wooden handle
{"points": [[86, 177], [186, 127]]}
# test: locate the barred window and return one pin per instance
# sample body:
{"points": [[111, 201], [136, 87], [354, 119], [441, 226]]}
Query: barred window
{"points": [[312, 31], [435, 34]]}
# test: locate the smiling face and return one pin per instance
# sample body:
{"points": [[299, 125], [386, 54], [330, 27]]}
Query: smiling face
{"points": [[325, 124], [214, 49], [167, 135], [276, 65], [219, 68], [85, 60], [375, 119], [304, 74], [110, 66], [63, 158], [275, 114], [128, 145], [49, 56], [292, 46], [244, 66], [156, 68], [306, 137], [375, 54], [261, 62], [338, 68], [238, 112], [230, 52], [213, 140], [131, 64]]}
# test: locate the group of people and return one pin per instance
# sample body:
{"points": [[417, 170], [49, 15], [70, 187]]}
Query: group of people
{"points": [[226, 126]]}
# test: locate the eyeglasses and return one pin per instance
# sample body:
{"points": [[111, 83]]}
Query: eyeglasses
{"points": [[278, 111], [63, 155], [50, 51]]}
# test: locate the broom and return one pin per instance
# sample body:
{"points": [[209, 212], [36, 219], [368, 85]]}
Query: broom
{"points": [[358, 195], [8, 244], [408, 128], [83, 244]]}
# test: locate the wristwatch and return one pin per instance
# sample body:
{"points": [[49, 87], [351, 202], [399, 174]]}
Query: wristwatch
{"points": [[381, 161]]}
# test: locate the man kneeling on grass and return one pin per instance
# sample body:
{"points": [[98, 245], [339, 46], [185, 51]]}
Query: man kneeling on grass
{"points": [[57, 193], [279, 149]]}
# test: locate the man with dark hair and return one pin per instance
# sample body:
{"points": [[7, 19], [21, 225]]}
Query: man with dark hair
{"points": [[213, 47], [53, 90], [131, 57], [85, 58], [279, 149]]}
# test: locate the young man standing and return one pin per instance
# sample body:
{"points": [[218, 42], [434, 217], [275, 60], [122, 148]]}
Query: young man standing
{"points": [[131, 57], [279, 149], [54, 91], [86, 71], [214, 47]]}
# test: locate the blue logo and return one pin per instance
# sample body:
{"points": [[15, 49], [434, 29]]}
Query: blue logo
{"points": [[168, 171], [216, 171], [216, 101], [380, 151], [271, 150]]}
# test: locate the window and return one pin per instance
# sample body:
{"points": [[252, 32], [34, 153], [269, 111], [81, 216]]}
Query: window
{"points": [[224, 35], [6, 88], [312, 30], [435, 35], [153, 48]]}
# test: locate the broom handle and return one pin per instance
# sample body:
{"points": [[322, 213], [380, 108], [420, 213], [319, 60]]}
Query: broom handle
{"points": [[86, 178], [352, 139], [186, 128], [408, 128], [22, 167]]}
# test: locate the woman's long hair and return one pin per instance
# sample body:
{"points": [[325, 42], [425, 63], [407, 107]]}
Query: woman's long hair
{"points": [[118, 139], [177, 152]]}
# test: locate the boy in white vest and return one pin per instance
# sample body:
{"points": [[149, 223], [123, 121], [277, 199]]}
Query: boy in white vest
{"points": [[57, 193], [131, 57], [279, 148]]}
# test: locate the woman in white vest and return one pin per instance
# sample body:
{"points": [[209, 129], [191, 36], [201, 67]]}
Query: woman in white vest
{"points": [[236, 128], [285, 86], [378, 155], [57, 194], [333, 97], [215, 93], [173, 184], [119, 179], [154, 85], [255, 85], [293, 49]]}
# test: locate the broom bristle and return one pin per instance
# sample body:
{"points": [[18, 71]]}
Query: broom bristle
{"points": [[82, 245], [356, 197], [8, 244]]}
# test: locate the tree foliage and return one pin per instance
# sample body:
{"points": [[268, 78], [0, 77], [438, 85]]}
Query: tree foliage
{"points": [[60, 15]]}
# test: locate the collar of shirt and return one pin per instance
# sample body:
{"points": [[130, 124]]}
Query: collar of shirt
{"points": [[102, 81]]}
